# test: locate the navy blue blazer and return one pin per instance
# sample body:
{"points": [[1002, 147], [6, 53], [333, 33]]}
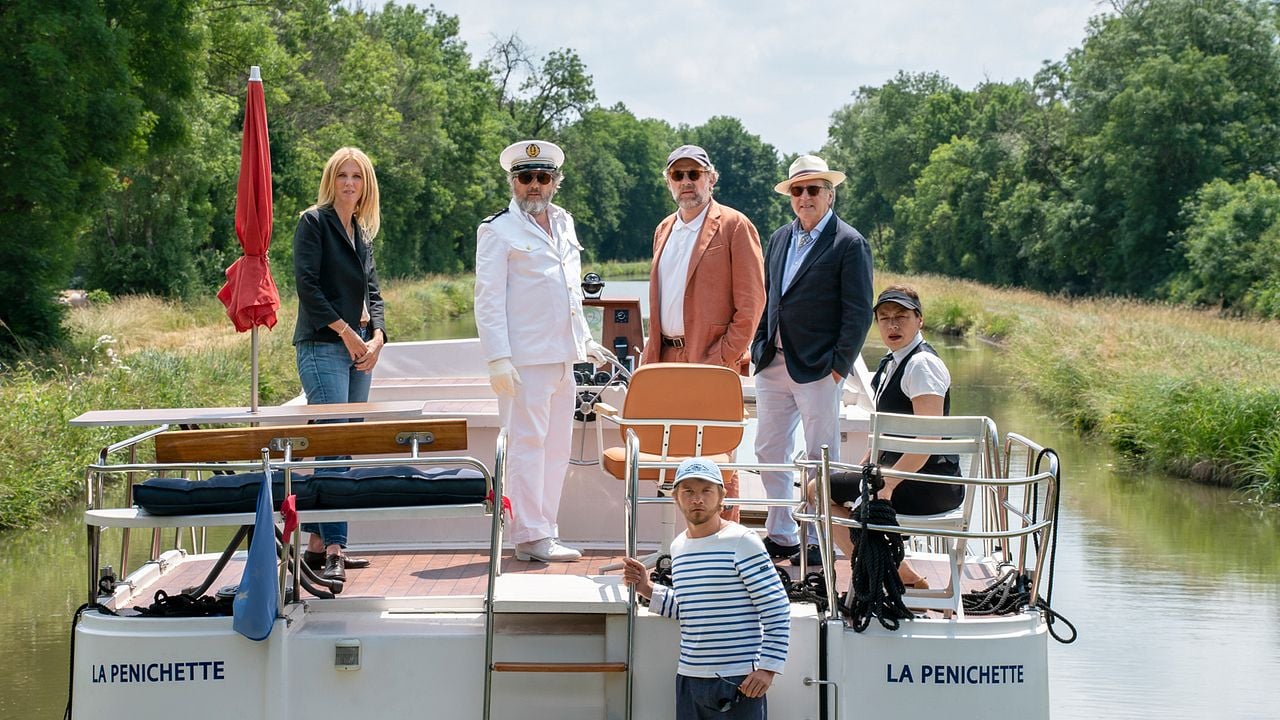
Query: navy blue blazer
{"points": [[824, 315], [334, 277]]}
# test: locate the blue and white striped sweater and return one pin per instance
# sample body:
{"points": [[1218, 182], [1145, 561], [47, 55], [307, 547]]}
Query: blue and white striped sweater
{"points": [[733, 611]]}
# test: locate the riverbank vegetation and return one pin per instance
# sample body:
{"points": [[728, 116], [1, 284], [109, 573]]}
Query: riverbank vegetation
{"points": [[141, 351], [1172, 388]]}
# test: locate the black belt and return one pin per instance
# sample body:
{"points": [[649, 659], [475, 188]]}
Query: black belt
{"points": [[675, 342]]}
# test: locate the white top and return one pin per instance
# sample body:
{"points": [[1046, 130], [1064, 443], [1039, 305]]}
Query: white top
{"points": [[673, 271], [733, 611], [925, 373], [528, 292]]}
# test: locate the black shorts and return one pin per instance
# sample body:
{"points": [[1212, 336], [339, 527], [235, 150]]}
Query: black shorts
{"points": [[910, 497]]}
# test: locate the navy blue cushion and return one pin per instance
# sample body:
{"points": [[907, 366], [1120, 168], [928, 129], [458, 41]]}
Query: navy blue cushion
{"points": [[219, 494], [398, 486]]}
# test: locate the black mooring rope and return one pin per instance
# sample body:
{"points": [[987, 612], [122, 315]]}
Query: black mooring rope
{"points": [[876, 589], [1011, 592]]}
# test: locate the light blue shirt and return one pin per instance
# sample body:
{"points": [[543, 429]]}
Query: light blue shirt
{"points": [[795, 253]]}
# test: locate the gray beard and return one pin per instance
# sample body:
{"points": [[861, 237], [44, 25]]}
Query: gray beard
{"points": [[533, 207]]}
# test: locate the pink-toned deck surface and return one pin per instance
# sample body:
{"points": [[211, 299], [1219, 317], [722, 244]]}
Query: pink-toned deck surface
{"points": [[407, 573]]}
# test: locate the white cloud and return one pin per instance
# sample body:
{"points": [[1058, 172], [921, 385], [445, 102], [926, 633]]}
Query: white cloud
{"points": [[782, 68]]}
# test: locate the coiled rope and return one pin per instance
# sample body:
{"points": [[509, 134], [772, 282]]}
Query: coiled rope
{"points": [[876, 590], [1011, 592]]}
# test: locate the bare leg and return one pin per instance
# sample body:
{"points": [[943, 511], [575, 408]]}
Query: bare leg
{"points": [[839, 533], [910, 577]]}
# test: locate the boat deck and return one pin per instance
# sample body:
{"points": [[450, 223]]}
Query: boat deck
{"points": [[445, 573]]}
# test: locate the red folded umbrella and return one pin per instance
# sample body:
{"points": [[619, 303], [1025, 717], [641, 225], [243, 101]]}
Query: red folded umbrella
{"points": [[250, 293]]}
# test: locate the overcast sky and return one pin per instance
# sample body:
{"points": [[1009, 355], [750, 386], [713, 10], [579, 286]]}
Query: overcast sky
{"points": [[780, 67]]}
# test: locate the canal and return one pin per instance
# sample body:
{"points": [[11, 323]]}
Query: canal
{"points": [[1175, 588]]}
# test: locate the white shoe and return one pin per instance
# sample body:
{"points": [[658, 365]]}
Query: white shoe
{"points": [[546, 550]]}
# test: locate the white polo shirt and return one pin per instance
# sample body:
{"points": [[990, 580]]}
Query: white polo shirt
{"points": [[673, 271]]}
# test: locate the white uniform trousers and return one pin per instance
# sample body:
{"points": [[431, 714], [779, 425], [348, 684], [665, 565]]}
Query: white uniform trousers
{"points": [[539, 423], [781, 404]]}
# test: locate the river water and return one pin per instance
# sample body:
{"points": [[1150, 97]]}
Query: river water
{"points": [[1175, 588]]}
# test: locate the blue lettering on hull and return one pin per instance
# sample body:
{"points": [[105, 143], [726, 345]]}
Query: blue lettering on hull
{"points": [[957, 674], [165, 672]]}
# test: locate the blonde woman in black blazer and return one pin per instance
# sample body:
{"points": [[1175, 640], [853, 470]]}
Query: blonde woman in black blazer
{"points": [[340, 329]]}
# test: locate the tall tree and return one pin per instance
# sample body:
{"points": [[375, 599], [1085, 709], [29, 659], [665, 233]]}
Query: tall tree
{"points": [[87, 84], [748, 170], [1167, 95]]}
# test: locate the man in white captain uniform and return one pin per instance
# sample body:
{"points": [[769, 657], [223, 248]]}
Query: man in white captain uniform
{"points": [[532, 330]]}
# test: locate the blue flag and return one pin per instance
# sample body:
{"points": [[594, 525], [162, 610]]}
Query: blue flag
{"points": [[254, 609]]}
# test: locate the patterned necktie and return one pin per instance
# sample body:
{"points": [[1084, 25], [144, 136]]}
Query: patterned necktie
{"points": [[805, 239]]}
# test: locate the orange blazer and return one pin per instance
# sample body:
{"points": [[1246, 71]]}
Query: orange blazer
{"points": [[724, 295]]}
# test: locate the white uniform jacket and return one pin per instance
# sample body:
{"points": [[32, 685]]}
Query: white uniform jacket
{"points": [[528, 291]]}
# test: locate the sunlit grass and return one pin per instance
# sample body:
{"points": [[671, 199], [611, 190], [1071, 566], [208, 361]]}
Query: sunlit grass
{"points": [[1177, 389]]}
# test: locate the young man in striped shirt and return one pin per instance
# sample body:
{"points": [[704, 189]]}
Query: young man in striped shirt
{"points": [[735, 619]]}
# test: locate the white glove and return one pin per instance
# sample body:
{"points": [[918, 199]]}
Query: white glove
{"points": [[503, 377], [599, 354]]}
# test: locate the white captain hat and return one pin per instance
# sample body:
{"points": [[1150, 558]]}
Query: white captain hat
{"points": [[531, 155]]}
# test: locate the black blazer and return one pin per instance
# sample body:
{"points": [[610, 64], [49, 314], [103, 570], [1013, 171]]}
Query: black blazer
{"points": [[334, 276], [825, 314]]}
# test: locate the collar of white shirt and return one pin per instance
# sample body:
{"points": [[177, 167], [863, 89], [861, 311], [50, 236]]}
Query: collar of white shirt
{"points": [[898, 355], [694, 225]]}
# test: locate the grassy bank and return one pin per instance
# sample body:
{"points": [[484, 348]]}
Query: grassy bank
{"points": [[1182, 391], [1173, 389], [138, 352]]}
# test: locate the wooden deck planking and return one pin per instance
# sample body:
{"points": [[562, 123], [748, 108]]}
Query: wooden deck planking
{"points": [[442, 573]]}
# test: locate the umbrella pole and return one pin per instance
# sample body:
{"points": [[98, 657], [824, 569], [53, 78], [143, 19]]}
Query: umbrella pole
{"points": [[253, 393]]}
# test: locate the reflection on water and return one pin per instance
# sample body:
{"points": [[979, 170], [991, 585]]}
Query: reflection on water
{"points": [[1175, 588]]}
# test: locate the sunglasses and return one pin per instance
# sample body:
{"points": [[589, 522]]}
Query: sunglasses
{"points": [[725, 704], [527, 176], [798, 190], [679, 175]]}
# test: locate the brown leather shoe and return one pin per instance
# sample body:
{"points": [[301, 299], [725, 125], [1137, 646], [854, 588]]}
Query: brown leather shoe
{"points": [[333, 568], [315, 560]]}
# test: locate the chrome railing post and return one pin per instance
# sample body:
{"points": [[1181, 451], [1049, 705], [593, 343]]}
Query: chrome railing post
{"points": [[632, 465], [824, 514], [495, 564]]}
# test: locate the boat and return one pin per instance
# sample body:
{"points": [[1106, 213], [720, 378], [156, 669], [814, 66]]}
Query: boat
{"points": [[446, 623]]}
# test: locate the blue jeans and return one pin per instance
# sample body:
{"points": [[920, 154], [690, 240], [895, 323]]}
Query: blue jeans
{"points": [[704, 699], [329, 375]]}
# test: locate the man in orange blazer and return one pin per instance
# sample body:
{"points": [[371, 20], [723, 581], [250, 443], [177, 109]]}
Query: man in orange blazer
{"points": [[706, 283]]}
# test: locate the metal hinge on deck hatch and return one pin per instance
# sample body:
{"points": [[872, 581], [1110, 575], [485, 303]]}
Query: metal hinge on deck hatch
{"points": [[280, 444], [423, 438]]}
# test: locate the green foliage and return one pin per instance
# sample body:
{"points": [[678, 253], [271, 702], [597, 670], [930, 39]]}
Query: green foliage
{"points": [[950, 315], [1208, 430], [70, 106], [748, 169], [1086, 179], [1232, 245], [613, 181]]}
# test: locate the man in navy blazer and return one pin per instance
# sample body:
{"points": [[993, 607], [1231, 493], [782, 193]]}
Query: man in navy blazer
{"points": [[817, 313]]}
